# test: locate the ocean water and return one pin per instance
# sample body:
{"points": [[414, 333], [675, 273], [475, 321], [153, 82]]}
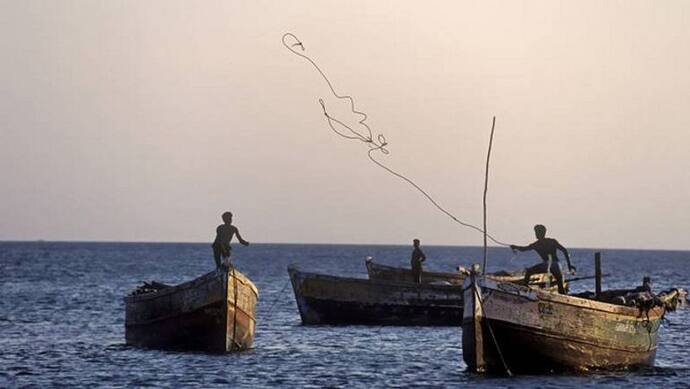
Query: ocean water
{"points": [[62, 320]]}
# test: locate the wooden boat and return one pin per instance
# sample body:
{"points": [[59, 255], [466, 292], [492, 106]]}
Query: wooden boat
{"points": [[378, 271], [324, 299], [509, 327], [214, 313]]}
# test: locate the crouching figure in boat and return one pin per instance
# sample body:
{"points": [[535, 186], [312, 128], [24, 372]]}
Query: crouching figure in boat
{"points": [[546, 248]]}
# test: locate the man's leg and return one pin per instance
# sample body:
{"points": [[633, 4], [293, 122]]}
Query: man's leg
{"points": [[556, 271], [216, 257], [226, 260], [532, 270], [417, 274]]}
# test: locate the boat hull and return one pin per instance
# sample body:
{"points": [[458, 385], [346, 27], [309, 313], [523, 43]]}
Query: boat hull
{"points": [[213, 313], [538, 331], [324, 299]]}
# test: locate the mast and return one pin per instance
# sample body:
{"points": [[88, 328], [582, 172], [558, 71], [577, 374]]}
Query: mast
{"points": [[486, 187]]}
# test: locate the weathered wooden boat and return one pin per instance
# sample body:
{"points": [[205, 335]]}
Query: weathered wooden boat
{"points": [[213, 313], [509, 327], [324, 299], [377, 271]]}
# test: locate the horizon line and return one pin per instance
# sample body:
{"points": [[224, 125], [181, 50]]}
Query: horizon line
{"points": [[310, 243]]}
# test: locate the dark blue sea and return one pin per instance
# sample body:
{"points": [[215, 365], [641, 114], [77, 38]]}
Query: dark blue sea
{"points": [[62, 320]]}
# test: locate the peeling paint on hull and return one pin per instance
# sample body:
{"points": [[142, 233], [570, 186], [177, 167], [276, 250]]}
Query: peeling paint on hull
{"points": [[324, 299], [203, 314], [538, 331]]}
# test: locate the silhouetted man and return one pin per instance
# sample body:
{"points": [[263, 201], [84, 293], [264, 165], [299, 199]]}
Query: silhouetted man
{"points": [[224, 234], [417, 258], [546, 247]]}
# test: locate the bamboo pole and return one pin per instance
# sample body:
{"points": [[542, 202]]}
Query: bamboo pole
{"points": [[597, 274], [486, 187]]}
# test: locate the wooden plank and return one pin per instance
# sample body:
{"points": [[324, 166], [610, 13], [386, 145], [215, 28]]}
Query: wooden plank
{"points": [[597, 274]]}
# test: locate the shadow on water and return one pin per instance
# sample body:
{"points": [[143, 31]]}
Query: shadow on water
{"points": [[115, 347], [659, 371]]}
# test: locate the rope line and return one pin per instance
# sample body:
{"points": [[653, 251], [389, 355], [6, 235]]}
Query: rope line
{"points": [[234, 314], [491, 332], [377, 144], [277, 297]]}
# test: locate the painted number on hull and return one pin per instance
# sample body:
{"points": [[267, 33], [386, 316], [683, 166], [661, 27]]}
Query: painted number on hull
{"points": [[625, 327], [545, 308]]}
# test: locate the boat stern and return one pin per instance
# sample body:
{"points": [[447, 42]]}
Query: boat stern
{"points": [[472, 334], [242, 296]]}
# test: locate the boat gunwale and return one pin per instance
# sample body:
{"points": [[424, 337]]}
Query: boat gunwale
{"points": [[510, 277], [426, 272], [204, 279], [410, 285], [575, 301]]}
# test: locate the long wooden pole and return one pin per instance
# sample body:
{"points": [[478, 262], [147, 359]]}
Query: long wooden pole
{"points": [[570, 279], [597, 274], [486, 186]]}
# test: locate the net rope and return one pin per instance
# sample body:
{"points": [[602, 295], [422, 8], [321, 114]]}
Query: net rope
{"points": [[377, 144]]}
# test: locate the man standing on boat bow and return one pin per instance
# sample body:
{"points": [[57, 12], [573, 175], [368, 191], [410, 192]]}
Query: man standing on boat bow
{"points": [[546, 248], [417, 258], [221, 245]]}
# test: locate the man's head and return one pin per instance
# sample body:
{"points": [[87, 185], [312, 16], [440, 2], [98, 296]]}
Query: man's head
{"points": [[415, 242], [540, 231], [227, 217]]}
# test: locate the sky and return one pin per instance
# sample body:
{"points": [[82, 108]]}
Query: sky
{"points": [[145, 120]]}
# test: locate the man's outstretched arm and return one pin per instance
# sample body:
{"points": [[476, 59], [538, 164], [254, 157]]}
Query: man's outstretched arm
{"points": [[239, 238], [567, 256], [521, 248]]}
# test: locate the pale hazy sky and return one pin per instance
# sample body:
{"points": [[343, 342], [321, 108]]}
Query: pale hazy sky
{"points": [[144, 120]]}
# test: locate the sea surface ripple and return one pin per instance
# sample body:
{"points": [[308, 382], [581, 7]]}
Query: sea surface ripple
{"points": [[62, 320]]}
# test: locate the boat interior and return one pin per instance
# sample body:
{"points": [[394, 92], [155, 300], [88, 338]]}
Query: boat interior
{"points": [[149, 287]]}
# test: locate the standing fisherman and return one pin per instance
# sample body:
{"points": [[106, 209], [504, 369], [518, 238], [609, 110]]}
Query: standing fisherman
{"points": [[221, 245], [417, 258], [546, 248]]}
